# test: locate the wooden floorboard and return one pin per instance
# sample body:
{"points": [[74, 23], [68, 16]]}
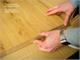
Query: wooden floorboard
{"points": [[22, 20]]}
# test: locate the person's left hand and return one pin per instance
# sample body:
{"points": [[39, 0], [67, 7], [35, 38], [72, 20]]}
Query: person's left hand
{"points": [[66, 8], [52, 41]]}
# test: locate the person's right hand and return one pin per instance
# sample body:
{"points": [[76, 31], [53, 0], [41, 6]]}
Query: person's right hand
{"points": [[67, 8], [50, 43]]}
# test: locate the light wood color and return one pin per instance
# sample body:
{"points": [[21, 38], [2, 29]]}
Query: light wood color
{"points": [[32, 53], [19, 27], [24, 25]]}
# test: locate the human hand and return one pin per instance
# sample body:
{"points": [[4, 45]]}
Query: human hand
{"points": [[51, 42], [66, 8]]}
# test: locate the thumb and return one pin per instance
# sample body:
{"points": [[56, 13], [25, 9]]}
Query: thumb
{"points": [[44, 33], [66, 20], [37, 42]]}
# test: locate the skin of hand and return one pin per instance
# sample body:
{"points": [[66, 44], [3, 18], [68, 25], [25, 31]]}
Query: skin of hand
{"points": [[51, 43], [66, 8]]}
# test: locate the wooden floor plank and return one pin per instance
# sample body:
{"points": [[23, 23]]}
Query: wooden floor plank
{"points": [[18, 28], [31, 52], [25, 24]]}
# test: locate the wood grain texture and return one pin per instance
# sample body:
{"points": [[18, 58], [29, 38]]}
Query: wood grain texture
{"points": [[31, 52], [19, 26], [24, 25]]}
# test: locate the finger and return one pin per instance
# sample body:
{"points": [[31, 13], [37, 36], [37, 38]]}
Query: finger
{"points": [[44, 33], [50, 9], [66, 19], [45, 50], [37, 42], [54, 11]]}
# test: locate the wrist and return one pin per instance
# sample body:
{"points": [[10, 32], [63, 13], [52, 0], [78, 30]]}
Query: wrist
{"points": [[63, 38]]}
